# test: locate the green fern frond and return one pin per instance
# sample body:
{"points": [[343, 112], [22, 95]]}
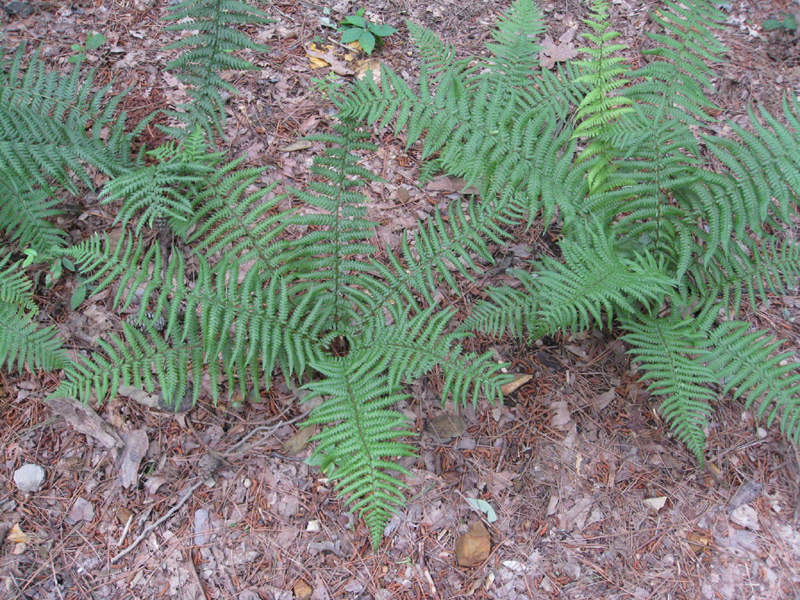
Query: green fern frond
{"points": [[208, 50], [23, 343], [415, 345], [25, 214], [140, 359], [674, 355], [360, 434], [596, 277], [748, 363], [605, 104], [51, 126], [15, 287], [515, 54], [168, 188]]}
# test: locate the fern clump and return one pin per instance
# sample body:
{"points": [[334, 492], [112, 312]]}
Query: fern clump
{"points": [[260, 300], [656, 243], [56, 130]]}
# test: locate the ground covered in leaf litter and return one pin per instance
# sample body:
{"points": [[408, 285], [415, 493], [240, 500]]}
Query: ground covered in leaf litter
{"points": [[593, 497]]}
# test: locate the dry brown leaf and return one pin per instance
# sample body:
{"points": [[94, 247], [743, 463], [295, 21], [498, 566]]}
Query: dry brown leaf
{"points": [[551, 53], [298, 442], [604, 399], [519, 380], [371, 66], [446, 427], [298, 145], [449, 185], [136, 444], [327, 59], [17, 536]]}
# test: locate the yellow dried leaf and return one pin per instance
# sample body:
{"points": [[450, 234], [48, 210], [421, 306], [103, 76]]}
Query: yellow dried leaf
{"points": [[519, 380], [17, 536]]}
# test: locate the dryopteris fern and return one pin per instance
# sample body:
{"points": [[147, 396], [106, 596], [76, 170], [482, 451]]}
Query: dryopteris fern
{"points": [[655, 241], [55, 132], [260, 298], [208, 50]]}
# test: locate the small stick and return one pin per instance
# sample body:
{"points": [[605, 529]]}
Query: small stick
{"points": [[150, 528]]}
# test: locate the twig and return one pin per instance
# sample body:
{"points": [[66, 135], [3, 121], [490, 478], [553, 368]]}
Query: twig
{"points": [[150, 528], [125, 531]]}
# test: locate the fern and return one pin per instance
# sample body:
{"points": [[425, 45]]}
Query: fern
{"points": [[654, 242], [648, 225], [361, 434], [207, 51]]}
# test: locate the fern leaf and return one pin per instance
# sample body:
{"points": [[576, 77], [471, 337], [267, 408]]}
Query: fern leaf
{"points": [[360, 435], [673, 355], [207, 51]]}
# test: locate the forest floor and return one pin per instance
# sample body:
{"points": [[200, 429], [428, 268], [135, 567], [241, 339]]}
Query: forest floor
{"points": [[594, 497]]}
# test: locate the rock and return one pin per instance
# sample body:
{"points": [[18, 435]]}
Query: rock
{"points": [[473, 548], [29, 478], [445, 428]]}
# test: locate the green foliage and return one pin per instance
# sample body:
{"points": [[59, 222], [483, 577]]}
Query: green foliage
{"points": [[56, 131], [261, 297], [355, 28], [655, 241], [786, 23], [93, 41], [207, 51]]}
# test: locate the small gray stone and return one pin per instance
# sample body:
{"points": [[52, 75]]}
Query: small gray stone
{"points": [[29, 478]]}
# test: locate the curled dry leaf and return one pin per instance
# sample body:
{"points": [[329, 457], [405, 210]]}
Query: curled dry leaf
{"points": [[327, 59], [519, 380]]}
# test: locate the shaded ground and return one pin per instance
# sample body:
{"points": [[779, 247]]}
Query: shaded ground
{"points": [[593, 496]]}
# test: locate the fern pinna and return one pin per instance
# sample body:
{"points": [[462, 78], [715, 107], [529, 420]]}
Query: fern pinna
{"points": [[655, 241]]}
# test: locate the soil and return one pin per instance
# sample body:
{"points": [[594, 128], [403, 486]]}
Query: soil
{"points": [[594, 498]]}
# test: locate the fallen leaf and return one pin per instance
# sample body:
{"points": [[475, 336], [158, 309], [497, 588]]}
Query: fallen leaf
{"points": [[298, 145], [371, 66], [519, 380], [84, 420], [551, 53], [298, 442], [655, 504], [446, 427], [560, 416], [747, 517], [327, 59], [136, 444], [604, 399], [450, 185], [82, 510], [473, 548], [17, 536], [484, 507], [698, 541]]}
